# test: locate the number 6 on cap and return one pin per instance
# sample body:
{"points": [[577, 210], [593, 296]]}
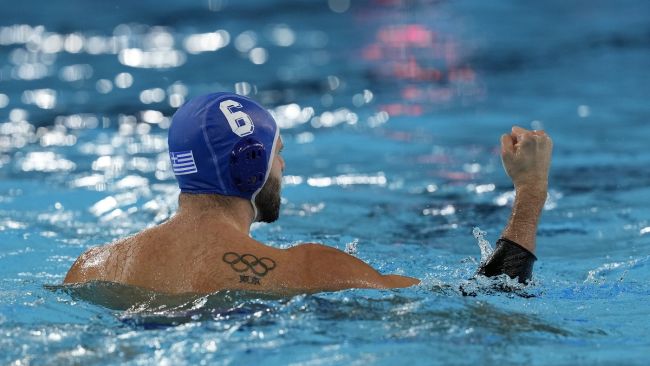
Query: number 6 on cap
{"points": [[240, 122]]}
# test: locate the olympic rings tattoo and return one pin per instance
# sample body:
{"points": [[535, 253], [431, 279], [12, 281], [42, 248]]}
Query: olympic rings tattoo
{"points": [[245, 262]]}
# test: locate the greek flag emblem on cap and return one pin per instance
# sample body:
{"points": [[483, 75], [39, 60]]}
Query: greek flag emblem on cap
{"points": [[183, 162]]}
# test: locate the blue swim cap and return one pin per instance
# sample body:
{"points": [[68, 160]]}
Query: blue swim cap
{"points": [[222, 143]]}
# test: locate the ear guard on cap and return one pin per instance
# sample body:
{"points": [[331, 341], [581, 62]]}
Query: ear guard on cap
{"points": [[248, 165]]}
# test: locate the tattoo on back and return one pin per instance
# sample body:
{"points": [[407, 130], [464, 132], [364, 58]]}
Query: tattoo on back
{"points": [[244, 263]]}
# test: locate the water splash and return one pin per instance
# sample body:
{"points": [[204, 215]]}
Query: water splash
{"points": [[497, 285], [351, 247], [599, 275], [484, 245]]}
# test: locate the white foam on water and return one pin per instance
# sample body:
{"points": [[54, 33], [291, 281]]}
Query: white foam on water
{"points": [[599, 274], [351, 247]]}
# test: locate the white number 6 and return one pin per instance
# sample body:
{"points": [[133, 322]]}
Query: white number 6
{"points": [[240, 122]]}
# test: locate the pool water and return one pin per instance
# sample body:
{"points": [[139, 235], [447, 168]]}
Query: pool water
{"points": [[391, 113]]}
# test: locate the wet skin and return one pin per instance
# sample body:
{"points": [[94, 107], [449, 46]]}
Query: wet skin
{"points": [[206, 247]]}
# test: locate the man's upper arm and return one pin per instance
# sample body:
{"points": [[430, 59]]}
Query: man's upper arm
{"points": [[325, 268]]}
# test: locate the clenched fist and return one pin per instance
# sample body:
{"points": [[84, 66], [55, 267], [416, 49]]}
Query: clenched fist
{"points": [[526, 157]]}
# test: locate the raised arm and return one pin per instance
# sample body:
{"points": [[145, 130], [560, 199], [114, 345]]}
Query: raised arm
{"points": [[526, 157]]}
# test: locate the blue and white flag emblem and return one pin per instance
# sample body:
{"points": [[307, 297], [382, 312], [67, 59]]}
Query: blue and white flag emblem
{"points": [[183, 162]]}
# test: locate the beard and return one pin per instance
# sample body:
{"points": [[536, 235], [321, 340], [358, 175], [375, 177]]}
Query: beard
{"points": [[268, 201]]}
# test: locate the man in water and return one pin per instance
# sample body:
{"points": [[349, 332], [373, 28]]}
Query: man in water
{"points": [[225, 151]]}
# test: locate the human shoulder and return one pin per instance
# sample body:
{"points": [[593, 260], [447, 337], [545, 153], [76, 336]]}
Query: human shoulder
{"points": [[88, 265], [307, 251], [92, 264]]}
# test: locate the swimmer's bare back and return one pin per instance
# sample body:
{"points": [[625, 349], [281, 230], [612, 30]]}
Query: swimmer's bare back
{"points": [[206, 248], [181, 256]]}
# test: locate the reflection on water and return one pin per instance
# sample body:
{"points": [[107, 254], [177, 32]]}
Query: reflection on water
{"points": [[142, 307], [390, 112], [406, 315]]}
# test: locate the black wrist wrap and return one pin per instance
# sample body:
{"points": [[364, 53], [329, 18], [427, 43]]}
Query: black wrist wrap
{"points": [[509, 258]]}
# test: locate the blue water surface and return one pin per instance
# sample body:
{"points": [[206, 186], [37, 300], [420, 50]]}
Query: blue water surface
{"points": [[391, 113]]}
